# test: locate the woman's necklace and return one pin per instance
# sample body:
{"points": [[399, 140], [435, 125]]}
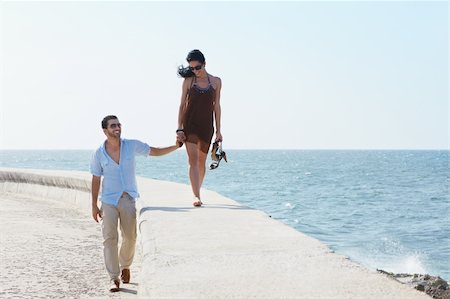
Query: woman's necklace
{"points": [[200, 89]]}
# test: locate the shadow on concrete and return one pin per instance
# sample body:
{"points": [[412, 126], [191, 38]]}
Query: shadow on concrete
{"points": [[164, 209], [187, 209], [128, 291], [223, 206]]}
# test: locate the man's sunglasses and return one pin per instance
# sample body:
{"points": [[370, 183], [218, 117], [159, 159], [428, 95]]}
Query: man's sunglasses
{"points": [[197, 68], [113, 126]]}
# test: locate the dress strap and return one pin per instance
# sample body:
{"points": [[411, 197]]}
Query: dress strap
{"points": [[192, 83]]}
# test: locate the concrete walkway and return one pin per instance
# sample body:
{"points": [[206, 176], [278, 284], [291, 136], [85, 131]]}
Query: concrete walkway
{"points": [[222, 250], [226, 250]]}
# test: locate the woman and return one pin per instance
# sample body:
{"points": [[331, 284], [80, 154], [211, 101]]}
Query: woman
{"points": [[199, 107]]}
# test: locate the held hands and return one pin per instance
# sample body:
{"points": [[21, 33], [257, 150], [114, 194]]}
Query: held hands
{"points": [[96, 213], [181, 137], [178, 143]]}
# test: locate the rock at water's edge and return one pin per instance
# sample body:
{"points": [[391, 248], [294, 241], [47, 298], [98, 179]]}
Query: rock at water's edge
{"points": [[434, 286]]}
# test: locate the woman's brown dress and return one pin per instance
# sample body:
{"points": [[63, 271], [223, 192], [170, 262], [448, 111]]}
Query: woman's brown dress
{"points": [[198, 121]]}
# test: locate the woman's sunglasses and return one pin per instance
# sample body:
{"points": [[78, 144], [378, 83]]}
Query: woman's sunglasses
{"points": [[197, 68]]}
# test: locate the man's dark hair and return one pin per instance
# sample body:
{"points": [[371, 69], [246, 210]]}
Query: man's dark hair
{"points": [[106, 119]]}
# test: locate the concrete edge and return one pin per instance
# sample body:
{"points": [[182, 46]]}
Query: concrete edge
{"points": [[73, 189]]}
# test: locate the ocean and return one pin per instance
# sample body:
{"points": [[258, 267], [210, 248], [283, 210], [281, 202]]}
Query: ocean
{"points": [[386, 209]]}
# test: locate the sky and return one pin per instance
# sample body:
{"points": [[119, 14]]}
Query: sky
{"points": [[295, 75]]}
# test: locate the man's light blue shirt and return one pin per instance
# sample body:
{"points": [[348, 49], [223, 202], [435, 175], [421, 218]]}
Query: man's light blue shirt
{"points": [[118, 178]]}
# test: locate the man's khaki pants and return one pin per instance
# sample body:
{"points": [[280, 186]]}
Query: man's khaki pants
{"points": [[126, 213]]}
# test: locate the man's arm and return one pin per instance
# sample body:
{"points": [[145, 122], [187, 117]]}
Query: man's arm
{"points": [[160, 151], [95, 189]]}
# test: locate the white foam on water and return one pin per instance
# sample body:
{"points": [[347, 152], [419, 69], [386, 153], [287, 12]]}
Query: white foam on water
{"points": [[391, 256], [289, 205], [409, 264]]}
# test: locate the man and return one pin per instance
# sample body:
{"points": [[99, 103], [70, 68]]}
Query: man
{"points": [[115, 161]]}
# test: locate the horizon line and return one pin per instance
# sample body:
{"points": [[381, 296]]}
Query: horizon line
{"points": [[259, 149]]}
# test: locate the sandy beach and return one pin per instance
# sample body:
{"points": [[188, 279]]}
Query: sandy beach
{"points": [[50, 250]]}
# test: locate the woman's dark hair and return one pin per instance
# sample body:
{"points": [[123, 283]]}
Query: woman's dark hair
{"points": [[194, 55], [105, 120]]}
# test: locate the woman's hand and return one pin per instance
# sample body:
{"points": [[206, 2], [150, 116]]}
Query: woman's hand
{"points": [[181, 137], [219, 137]]}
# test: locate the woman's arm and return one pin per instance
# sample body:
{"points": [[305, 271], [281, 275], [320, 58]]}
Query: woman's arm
{"points": [[182, 110], [218, 110], [183, 104]]}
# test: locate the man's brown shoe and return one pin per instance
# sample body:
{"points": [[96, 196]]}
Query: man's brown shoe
{"points": [[125, 275], [115, 284]]}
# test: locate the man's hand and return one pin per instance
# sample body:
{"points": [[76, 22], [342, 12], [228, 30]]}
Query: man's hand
{"points": [[178, 142], [96, 213]]}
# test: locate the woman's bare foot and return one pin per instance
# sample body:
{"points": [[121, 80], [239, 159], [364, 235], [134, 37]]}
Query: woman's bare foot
{"points": [[197, 202]]}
